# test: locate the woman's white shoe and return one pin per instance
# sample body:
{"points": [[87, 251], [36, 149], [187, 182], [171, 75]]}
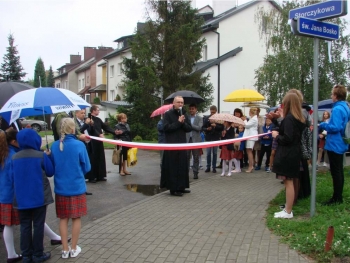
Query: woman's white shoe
{"points": [[75, 252], [65, 254]]}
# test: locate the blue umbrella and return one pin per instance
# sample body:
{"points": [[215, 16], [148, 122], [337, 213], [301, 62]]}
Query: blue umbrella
{"points": [[41, 101]]}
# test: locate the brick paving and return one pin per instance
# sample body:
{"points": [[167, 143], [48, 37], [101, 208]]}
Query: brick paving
{"points": [[221, 220]]}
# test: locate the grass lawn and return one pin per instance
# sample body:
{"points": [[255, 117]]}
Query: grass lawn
{"points": [[308, 235], [42, 133]]}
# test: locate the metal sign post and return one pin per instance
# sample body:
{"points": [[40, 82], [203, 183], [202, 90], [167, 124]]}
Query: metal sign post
{"points": [[315, 130]]}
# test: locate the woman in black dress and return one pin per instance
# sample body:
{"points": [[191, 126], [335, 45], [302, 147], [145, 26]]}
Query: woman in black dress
{"points": [[286, 164]]}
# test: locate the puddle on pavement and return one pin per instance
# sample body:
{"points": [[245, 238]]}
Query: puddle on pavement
{"points": [[145, 189]]}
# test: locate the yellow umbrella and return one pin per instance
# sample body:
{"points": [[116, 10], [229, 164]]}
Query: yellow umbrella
{"points": [[243, 95]]}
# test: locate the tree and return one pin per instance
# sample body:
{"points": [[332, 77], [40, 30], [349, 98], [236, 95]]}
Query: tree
{"points": [[39, 71], [289, 59], [11, 68], [50, 82], [163, 56]]}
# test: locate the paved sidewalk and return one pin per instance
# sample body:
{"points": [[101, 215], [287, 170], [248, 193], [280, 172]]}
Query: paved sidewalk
{"points": [[222, 220]]}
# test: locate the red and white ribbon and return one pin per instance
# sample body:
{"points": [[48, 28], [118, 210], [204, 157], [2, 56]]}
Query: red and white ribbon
{"points": [[175, 146]]}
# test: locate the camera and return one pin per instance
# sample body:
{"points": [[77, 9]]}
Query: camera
{"points": [[89, 115]]}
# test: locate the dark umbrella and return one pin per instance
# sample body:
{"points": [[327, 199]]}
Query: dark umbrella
{"points": [[7, 90], [190, 97], [325, 104], [10, 88]]}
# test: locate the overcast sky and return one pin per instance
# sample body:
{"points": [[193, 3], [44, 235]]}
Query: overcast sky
{"points": [[55, 29]]}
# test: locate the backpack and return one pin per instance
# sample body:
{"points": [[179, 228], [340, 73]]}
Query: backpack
{"points": [[346, 136], [306, 142]]}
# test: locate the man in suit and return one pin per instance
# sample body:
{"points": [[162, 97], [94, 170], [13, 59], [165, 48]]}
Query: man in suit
{"points": [[212, 132], [194, 136], [85, 125]]}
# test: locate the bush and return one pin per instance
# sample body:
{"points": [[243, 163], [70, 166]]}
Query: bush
{"points": [[138, 138], [97, 100], [112, 121]]}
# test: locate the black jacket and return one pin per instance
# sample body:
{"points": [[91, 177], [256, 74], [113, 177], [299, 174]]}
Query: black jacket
{"points": [[125, 136], [214, 134]]}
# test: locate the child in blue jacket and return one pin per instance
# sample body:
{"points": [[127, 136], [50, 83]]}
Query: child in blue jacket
{"points": [[266, 145], [32, 191], [238, 150], [71, 163], [9, 216]]}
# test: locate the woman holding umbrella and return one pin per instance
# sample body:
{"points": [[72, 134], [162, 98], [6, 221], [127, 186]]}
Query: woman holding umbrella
{"points": [[251, 128]]}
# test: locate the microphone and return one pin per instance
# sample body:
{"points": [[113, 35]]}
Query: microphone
{"points": [[180, 108]]}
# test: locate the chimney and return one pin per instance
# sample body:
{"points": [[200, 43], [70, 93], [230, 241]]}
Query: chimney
{"points": [[89, 52], [102, 51], [74, 59]]}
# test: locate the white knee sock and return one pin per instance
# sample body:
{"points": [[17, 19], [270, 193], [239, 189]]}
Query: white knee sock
{"points": [[50, 234], [229, 166], [9, 242], [223, 167], [237, 164]]}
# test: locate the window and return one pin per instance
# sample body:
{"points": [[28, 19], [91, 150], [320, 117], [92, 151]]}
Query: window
{"points": [[120, 45], [111, 71], [66, 84], [87, 98], [79, 86], [205, 53], [83, 83], [112, 95], [266, 25], [120, 68]]}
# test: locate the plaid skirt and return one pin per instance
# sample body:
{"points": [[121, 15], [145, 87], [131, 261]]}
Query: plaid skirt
{"points": [[226, 154], [238, 155], [9, 216], [70, 206], [321, 143]]}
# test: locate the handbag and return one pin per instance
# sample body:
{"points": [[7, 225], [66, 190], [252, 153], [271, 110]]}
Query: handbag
{"points": [[132, 157], [116, 156], [237, 145]]}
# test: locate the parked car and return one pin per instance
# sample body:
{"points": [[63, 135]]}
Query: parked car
{"points": [[37, 125]]}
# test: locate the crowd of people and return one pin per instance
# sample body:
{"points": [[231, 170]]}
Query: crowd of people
{"points": [[281, 144], [282, 129]]}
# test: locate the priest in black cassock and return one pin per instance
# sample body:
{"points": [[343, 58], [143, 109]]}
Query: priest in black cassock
{"points": [[175, 167], [98, 160]]}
